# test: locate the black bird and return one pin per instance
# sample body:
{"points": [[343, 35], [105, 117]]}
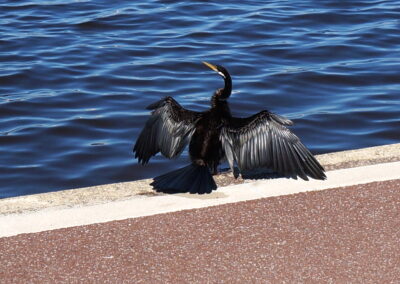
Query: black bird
{"points": [[261, 140]]}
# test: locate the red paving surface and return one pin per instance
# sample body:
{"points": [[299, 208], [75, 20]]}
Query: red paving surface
{"points": [[344, 235]]}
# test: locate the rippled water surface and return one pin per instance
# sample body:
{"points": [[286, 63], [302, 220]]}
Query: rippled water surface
{"points": [[75, 77]]}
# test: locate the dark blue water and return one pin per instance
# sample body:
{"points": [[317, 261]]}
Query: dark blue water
{"points": [[75, 77]]}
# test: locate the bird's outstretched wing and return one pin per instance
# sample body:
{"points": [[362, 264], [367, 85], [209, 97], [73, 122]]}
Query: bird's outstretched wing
{"points": [[167, 130], [262, 140]]}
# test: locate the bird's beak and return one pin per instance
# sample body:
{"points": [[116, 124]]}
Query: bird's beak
{"points": [[209, 65]]}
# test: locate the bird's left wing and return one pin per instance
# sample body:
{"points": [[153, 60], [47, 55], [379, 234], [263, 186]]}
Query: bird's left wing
{"points": [[167, 130], [262, 140]]}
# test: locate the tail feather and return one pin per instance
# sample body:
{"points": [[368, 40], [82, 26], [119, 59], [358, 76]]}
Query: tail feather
{"points": [[192, 178]]}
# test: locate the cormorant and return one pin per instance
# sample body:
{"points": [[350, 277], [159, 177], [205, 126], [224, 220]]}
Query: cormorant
{"points": [[261, 140]]}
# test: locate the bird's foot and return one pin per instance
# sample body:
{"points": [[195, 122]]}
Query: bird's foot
{"points": [[199, 162], [235, 173]]}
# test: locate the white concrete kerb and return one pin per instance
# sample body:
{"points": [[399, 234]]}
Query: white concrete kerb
{"points": [[138, 206]]}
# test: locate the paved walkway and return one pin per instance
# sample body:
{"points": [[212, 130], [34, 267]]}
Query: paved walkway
{"points": [[333, 234]]}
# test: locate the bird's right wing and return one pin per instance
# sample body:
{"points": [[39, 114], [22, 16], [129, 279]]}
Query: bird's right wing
{"points": [[167, 130], [262, 140]]}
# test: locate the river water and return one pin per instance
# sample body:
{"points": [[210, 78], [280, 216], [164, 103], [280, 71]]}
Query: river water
{"points": [[76, 76]]}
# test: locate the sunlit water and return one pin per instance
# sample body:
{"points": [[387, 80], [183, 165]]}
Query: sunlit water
{"points": [[76, 76]]}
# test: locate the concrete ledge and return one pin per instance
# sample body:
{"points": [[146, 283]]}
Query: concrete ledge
{"points": [[360, 157], [122, 191], [140, 206]]}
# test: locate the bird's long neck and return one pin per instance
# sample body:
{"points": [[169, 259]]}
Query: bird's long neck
{"points": [[227, 90], [218, 100]]}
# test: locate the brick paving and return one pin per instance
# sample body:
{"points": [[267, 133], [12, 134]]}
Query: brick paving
{"points": [[342, 235]]}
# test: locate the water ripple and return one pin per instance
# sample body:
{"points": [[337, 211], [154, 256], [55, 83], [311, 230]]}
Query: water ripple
{"points": [[76, 76]]}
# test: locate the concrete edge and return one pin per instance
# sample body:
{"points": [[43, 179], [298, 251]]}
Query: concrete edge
{"points": [[141, 206], [125, 190]]}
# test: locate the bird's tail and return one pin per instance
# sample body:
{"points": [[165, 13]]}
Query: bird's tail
{"points": [[192, 178]]}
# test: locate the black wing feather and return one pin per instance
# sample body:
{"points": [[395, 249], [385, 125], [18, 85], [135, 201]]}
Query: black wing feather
{"points": [[167, 130], [262, 140]]}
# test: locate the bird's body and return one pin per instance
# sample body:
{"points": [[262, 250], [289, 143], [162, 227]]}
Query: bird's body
{"points": [[261, 140], [205, 147]]}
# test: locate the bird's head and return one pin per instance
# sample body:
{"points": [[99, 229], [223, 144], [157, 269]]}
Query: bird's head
{"points": [[226, 91], [219, 69]]}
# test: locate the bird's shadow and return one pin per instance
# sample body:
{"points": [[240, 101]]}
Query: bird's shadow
{"points": [[261, 173], [256, 174]]}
